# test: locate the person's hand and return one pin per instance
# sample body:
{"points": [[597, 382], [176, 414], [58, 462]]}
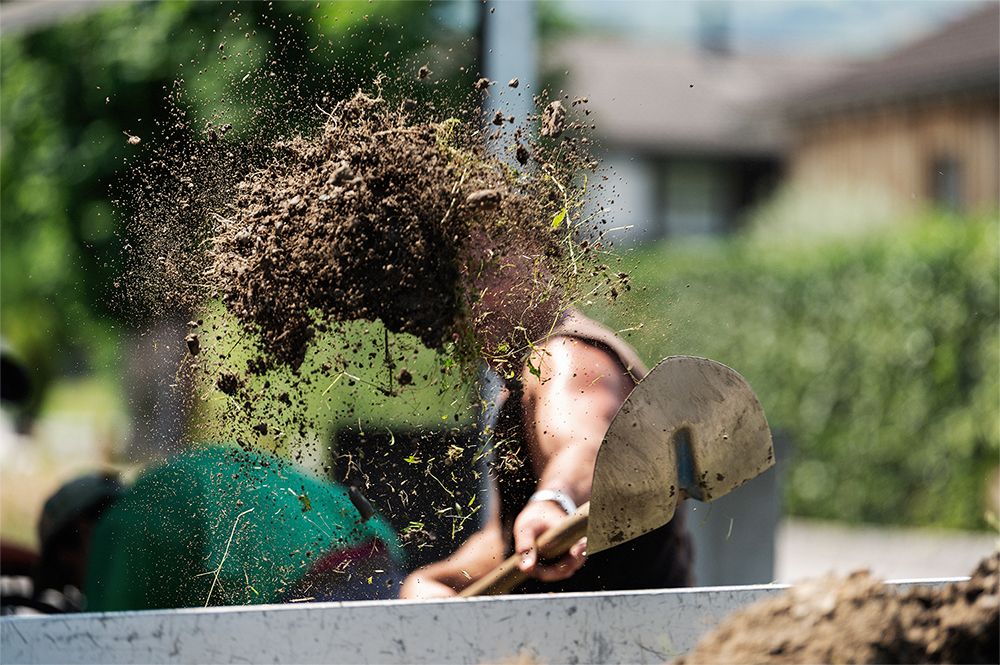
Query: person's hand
{"points": [[537, 518], [417, 586]]}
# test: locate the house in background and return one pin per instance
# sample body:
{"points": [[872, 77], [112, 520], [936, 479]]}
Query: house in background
{"points": [[921, 126], [694, 137], [697, 138]]}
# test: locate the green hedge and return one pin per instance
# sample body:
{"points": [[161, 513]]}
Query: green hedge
{"points": [[878, 356]]}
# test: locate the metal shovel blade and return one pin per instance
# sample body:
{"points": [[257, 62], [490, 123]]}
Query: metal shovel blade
{"points": [[691, 428]]}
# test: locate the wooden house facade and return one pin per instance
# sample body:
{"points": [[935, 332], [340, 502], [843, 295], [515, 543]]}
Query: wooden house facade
{"points": [[921, 125]]}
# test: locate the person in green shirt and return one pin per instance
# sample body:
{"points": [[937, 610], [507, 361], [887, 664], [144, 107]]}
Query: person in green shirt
{"points": [[221, 526]]}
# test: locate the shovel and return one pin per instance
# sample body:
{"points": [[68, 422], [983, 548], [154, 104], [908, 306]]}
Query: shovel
{"points": [[692, 428]]}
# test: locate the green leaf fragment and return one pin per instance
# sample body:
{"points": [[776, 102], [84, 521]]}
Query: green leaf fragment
{"points": [[558, 219]]}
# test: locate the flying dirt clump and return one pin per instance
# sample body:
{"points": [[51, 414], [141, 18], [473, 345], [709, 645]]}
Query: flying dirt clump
{"points": [[381, 216], [861, 620]]}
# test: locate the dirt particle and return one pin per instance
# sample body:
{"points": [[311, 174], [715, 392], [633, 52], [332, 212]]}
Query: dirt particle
{"points": [[193, 344], [424, 72], [513, 83], [521, 154], [484, 198], [228, 383], [418, 537], [553, 120]]}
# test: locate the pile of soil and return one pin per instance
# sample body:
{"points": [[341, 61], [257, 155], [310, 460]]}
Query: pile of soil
{"points": [[861, 620], [449, 229], [284, 223], [381, 216]]}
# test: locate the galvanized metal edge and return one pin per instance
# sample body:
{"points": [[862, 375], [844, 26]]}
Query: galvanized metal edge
{"points": [[621, 627]]}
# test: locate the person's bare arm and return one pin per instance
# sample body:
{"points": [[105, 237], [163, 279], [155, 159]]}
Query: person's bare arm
{"points": [[478, 555], [568, 407]]}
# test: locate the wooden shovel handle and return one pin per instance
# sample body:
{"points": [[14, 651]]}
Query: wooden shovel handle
{"points": [[552, 544]]}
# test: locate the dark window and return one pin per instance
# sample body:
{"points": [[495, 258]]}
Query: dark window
{"points": [[946, 183]]}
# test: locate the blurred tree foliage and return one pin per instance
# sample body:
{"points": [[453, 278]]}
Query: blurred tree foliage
{"points": [[72, 90], [879, 356]]}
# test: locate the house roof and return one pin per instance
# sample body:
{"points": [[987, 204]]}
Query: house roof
{"points": [[27, 15], [668, 100], [964, 56]]}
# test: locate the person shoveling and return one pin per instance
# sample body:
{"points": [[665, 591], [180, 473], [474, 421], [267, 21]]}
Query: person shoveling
{"points": [[220, 526], [384, 217], [691, 428]]}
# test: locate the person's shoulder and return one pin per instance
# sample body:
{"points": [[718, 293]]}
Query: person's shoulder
{"points": [[574, 323], [564, 359]]}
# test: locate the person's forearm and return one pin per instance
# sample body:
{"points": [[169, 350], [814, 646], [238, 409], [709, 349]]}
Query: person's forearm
{"points": [[570, 408], [477, 556], [571, 469], [443, 572]]}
